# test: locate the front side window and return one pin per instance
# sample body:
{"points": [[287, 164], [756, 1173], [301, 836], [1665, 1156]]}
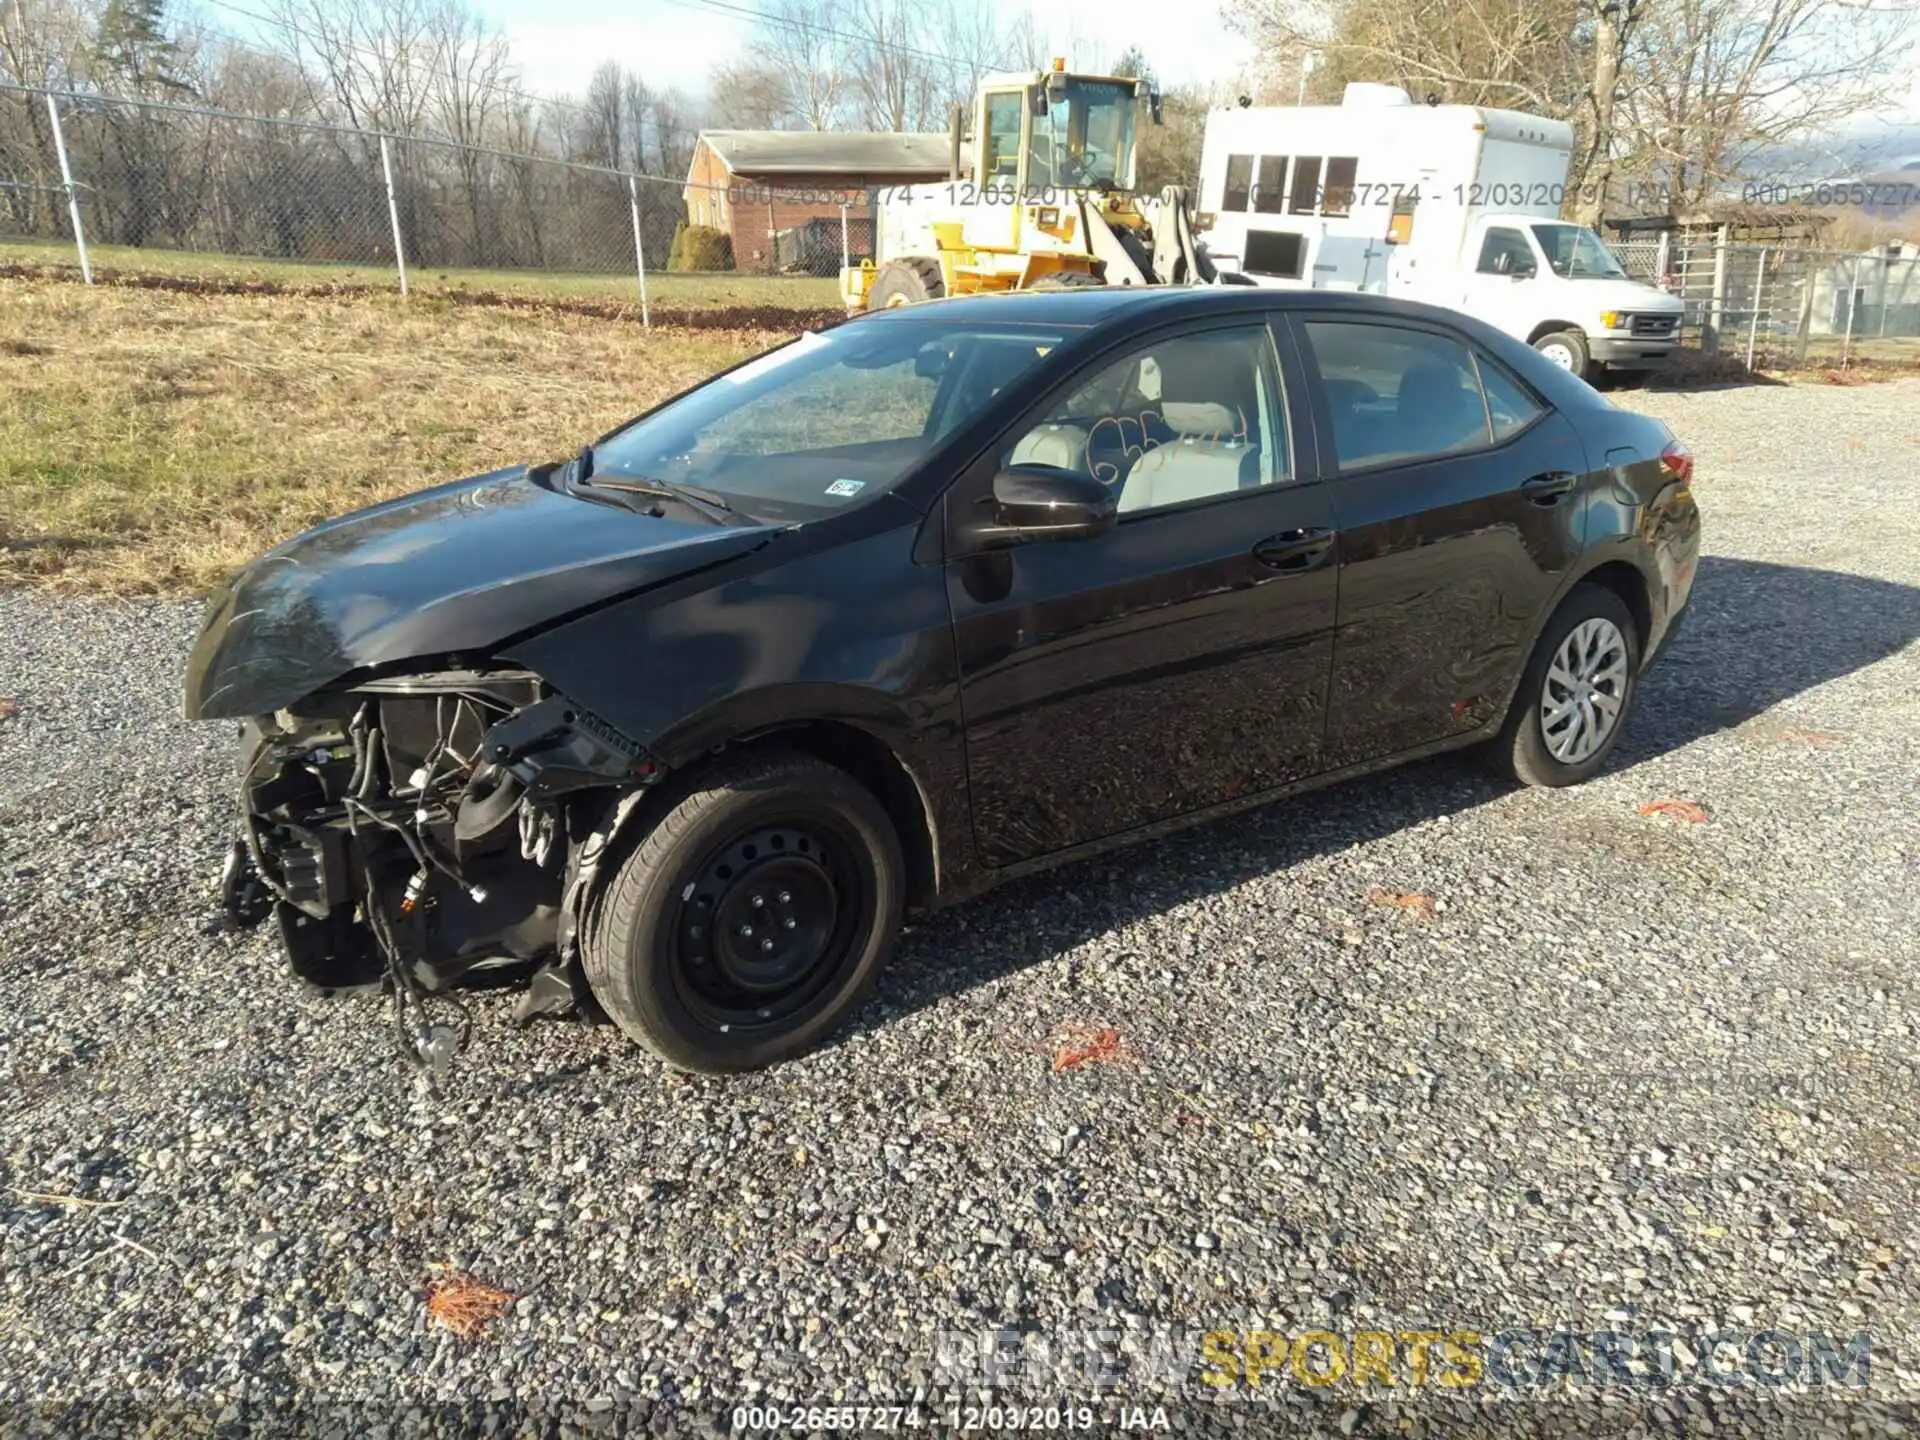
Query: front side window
{"points": [[1576, 253], [1086, 136], [1397, 394], [1504, 252], [1188, 418], [830, 420], [1002, 149]]}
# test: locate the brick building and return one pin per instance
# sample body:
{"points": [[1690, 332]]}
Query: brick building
{"points": [[777, 193]]}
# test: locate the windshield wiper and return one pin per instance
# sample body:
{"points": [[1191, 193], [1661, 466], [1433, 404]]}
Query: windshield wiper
{"points": [[577, 475], [692, 496]]}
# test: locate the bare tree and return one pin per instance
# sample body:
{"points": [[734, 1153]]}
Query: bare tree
{"points": [[798, 42], [1713, 83], [746, 95]]}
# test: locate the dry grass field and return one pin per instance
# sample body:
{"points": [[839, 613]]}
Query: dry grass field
{"points": [[152, 441]]}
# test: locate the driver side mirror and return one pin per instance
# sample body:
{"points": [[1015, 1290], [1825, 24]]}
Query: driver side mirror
{"points": [[1036, 99], [1034, 502], [1504, 264]]}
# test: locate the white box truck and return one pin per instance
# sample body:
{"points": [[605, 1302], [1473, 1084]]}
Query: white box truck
{"points": [[1456, 205]]}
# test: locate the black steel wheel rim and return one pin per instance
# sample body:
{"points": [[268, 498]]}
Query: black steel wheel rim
{"points": [[767, 923]]}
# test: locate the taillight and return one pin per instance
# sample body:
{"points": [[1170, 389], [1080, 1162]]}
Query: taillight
{"points": [[1677, 461]]}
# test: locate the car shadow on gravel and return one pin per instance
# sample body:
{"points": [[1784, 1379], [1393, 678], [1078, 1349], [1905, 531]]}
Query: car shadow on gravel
{"points": [[1757, 634]]}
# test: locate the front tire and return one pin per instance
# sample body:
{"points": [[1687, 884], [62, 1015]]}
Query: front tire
{"points": [[1576, 694], [753, 916], [1567, 349]]}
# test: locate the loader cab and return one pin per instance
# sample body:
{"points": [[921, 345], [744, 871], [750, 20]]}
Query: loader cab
{"points": [[1056, 132]]}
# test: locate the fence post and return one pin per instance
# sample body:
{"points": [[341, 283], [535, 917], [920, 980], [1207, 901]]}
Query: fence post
{"points": [[1853, 304], [393, 213], [639, 251], [1759, 294], [73, 196], [1717, 302], [846, 250]]}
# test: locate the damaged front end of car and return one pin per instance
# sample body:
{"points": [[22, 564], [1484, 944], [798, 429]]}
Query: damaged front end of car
{"points": [[409, 831]]}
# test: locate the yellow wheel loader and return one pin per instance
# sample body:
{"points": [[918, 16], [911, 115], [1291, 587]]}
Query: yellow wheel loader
{"points": [[1044, 201]]}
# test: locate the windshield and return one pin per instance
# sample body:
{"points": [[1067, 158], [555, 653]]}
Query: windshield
{"points": [[829, 420], [1575, 253], [1086, 136]]}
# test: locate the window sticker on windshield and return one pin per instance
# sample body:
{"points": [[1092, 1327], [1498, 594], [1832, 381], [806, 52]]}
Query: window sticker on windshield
{"points": [[846, 487]]}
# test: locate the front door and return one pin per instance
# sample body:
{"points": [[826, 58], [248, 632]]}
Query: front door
{"points": [[1460, 500], [1179, 660], [993, 221], [1502, 287]]}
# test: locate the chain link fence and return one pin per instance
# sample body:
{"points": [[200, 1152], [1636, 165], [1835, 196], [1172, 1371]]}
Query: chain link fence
{"points": [[176, 182], [1783, 306]]}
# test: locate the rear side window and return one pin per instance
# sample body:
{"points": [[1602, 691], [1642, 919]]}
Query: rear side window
{"points": [[1239, 182], [1273, 183], [1336, 197], [1306, 184], [1280, 253], [1509, 407], [1397, 394]]}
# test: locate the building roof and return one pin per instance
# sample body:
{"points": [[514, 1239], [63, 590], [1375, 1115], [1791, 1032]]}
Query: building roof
{"points": [[818, 152]]}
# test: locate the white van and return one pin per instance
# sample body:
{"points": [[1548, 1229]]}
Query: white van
{"points": [[1455, 205]]}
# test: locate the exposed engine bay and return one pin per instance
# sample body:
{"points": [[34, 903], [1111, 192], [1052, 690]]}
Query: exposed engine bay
{"points": [[413, 830]]}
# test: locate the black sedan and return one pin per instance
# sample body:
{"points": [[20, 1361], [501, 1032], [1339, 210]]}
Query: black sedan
{"points": [[900, 610]]}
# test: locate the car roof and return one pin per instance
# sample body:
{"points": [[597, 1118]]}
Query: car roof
{"points": [[1096, 306]]}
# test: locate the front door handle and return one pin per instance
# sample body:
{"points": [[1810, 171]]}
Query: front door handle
{"points": [[1549, 488], [1293, 551]]}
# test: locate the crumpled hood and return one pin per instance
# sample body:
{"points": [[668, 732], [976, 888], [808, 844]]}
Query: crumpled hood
{"points": [[457, 568]]}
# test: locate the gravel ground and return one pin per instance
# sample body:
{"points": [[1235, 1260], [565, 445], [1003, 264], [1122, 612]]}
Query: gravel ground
{"points": [[1631, 1073]]}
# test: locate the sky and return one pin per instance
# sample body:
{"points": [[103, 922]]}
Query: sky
{"points": [[559, 42]]}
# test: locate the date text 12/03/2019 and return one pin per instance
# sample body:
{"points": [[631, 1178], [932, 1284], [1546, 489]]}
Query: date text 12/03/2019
{"points": [[948, 1419]]}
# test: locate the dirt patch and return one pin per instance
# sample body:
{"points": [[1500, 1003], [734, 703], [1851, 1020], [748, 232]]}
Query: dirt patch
{"points": [[686, 317]]}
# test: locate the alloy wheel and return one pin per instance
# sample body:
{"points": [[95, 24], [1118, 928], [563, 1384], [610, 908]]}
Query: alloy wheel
{"points": [[1585, 691]]}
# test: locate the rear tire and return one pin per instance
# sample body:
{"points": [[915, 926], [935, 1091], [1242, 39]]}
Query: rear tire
{"points": [[906, 282], [1576, 695], [753, 916], [1567, 349], [1068, 280]]}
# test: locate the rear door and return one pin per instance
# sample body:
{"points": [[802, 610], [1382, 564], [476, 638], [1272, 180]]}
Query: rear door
{"points": [[1179, 660], [1458, 494]]}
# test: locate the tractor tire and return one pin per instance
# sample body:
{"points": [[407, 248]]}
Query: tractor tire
{"points": [[906, 282], [1068, 280]]}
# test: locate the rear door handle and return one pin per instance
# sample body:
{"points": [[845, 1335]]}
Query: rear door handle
{"points": [[1293, 551], [1549, 488]]}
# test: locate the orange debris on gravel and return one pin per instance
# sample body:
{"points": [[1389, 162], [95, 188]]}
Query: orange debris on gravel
{"points": [[1078, 1043], [464, 1305], [1414, 900], [1690, 811]]}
